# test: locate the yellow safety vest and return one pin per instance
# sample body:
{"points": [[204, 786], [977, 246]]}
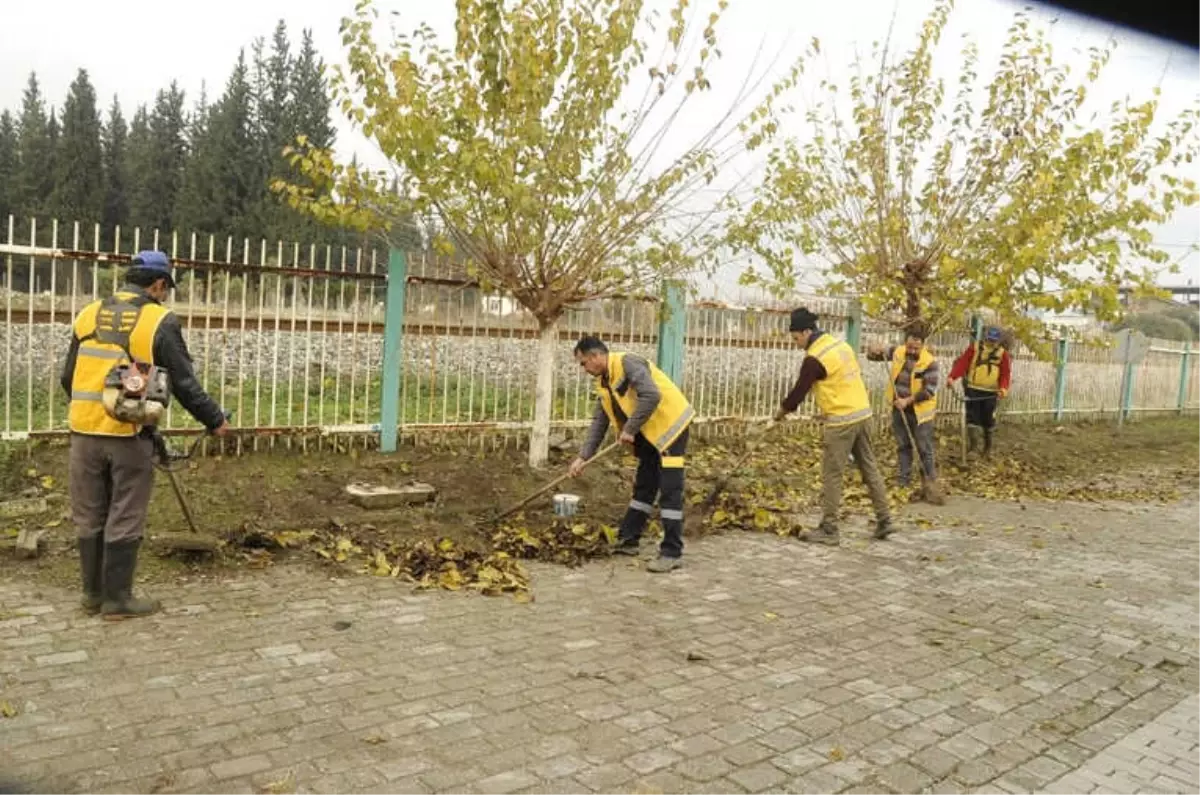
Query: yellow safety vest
{"points": [[110, 319], [841, 395], [926, 410], [669, 419], [985, 367]]}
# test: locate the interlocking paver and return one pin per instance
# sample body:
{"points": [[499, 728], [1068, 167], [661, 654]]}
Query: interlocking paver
{"points": [[1143, 761], [1036, 682]]}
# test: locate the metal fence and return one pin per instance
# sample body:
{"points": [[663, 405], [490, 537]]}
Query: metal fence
{"points": [[291, 337]]}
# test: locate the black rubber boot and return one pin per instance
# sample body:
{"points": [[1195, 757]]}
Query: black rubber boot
{"points": [[883, 529], [120, 561], [91, 567]]}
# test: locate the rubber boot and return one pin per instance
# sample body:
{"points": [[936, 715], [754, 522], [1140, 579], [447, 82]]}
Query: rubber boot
{"points": [[987, 442], [824, 534], [973, 438], [883, 529], [91, 567], [120, 561]]}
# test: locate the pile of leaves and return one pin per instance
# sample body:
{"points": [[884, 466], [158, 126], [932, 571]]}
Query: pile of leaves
{"points": [[570, 543], [428, 563]]}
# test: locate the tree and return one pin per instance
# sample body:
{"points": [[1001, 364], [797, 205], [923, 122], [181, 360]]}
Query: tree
{"points": [[523, 144], [35, 180], [1002, 197], [274, 118], [78, 168], [116, 173], [220, 180], [158, 162], [309, 111], [9, 167], [139, 167]]}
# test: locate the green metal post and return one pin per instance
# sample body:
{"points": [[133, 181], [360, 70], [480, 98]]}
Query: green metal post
{"points": [[854, 326], [976, 328], [1060, 379], [393, 339], [672, 328], [1184, 372]]}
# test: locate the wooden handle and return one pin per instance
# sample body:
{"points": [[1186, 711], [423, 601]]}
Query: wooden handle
{"points": [[516, 507]]}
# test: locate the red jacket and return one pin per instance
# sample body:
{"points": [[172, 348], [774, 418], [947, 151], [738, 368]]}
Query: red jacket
{"points": [[963, 364]]}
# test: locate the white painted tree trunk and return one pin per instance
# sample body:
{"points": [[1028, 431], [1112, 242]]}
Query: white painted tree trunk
{"points": [[539, 437]]}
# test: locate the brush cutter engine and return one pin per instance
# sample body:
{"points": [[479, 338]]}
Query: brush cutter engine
{"points": [[136, 392]]}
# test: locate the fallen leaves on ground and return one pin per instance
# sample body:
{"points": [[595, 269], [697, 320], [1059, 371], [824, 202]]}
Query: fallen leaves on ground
{"points": [[782, 479], [570, 543], [429, 563]]}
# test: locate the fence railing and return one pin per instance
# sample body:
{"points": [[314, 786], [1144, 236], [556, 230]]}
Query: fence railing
{"points": [[294, 339]]}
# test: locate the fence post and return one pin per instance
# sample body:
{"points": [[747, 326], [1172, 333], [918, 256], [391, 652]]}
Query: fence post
{"points": [[854, 325], [1183, 379], [1126, 394], [672, 327], [1060, 378], [393, 338]]}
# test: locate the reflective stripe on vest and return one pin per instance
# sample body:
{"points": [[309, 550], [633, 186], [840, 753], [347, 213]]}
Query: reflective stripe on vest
{"points": [[96, 358], [926, 410], [841, 395], [670, 418]]}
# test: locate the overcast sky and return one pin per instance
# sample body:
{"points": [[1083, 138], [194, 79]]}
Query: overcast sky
{"points": [[132, 48]]}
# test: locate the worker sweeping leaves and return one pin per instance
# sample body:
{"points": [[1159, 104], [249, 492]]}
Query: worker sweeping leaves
{"points": [[126, 359], [987, 368], [912, 390], [830, 370], [651, 415]]}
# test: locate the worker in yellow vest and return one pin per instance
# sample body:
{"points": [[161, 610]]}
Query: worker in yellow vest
{"points": [[987, 368], [830, 371], [651, 415], [126, 359], [912, 392]]}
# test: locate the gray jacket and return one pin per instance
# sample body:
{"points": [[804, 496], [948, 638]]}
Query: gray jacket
{"points": [[637, 373]]}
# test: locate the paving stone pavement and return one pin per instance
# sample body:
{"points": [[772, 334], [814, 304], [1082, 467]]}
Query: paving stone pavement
{"points": [[1159, 757], [987, 647]]}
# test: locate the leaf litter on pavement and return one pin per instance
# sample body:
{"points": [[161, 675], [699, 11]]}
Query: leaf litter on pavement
{"points": [[778, 483]]}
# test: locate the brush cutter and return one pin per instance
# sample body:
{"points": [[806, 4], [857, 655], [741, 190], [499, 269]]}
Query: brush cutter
{"points": [[168, 461]]}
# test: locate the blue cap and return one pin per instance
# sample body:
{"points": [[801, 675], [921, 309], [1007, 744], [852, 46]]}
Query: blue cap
{"points": [[154, 262], [992, 334]]}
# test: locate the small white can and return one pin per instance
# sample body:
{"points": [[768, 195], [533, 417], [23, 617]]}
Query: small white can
{"points": [[566, 504]]}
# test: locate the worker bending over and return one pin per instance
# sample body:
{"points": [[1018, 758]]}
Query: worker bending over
{"points": [[651, 415]]}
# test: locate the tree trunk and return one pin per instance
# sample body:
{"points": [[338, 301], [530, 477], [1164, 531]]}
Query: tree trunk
{"points": [[539, 437]]}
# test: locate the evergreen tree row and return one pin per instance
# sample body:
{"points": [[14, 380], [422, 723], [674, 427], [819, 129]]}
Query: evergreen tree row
{"points": [[204, 169]]}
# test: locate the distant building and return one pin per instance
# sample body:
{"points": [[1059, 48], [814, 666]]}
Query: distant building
{"points": [[499, 305]]}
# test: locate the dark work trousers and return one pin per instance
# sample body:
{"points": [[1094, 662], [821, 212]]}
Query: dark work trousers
{"points": [[981, 408], [923, 434], [658, 475], [110, 479]]}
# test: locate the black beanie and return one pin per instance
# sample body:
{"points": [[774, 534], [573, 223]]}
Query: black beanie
{"points": [[802, 320]]}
